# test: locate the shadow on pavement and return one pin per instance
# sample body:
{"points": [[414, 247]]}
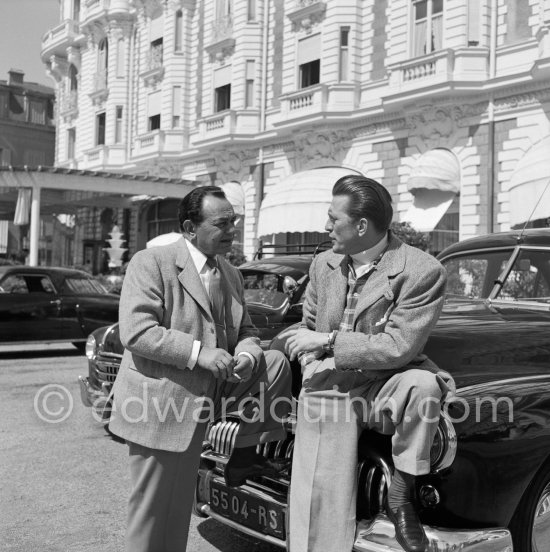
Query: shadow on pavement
{"points": [[37, 353], [217, 535]]}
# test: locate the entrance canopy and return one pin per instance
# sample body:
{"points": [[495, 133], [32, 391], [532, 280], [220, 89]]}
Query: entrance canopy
{"points": [[528, 183], [56, 191], [299, 203]]}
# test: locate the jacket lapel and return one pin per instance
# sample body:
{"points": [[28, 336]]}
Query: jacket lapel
{"points": [[378, 284], [189, 277], [337, 289]]}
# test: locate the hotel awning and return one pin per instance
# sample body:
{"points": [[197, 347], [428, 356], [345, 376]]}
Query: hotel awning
{"points": [[235, 195], [527, 185], [56, 190], [434, 183], [299, 203]]}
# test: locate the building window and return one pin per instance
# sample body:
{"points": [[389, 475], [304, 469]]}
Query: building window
{"points": [[76, 10], [343, 62], [251, 13], [154, 122], [309, 62], [310, 73], [162, 217], [5, 157], [73, 78], [249, 83], [120, 57], [100, 129], [37, 112], [103, 56], [176, 107], [71, 142], [118, 124], [154, 110], [428, 26], [222, 97], [155, 54], [223, 9], [178, 33]]}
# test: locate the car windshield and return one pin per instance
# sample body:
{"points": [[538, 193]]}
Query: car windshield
{"points": [[83, 286], [263, 288]]}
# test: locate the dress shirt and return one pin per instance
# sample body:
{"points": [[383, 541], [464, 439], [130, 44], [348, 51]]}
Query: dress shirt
{"points": [[362, 262], [205, 272]]}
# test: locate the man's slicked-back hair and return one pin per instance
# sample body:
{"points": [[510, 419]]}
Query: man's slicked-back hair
{"points": [[367, 199], [190, 207]]}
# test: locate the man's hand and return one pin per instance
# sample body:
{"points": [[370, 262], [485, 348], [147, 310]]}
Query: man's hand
{"points": [[217, 361], [242, 371], [302, 340]]}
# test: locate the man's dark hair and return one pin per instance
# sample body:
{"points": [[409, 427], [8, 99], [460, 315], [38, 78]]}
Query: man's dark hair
{"points": [[368, 199], [190, 207]]}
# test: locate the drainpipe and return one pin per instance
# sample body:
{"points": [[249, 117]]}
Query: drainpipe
{"points": [[491, 172], [263, 109]]}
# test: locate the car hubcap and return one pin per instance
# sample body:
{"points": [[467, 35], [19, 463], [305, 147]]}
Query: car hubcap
{"points": [[541, 522]]}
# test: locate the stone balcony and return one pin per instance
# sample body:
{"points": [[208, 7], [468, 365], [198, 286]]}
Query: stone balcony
{"points": [[154, 68], [104, 156], [57, 40], [221, 42], [100, 90], [159, 141], [306, 103], [461, 71], [68, 105]]}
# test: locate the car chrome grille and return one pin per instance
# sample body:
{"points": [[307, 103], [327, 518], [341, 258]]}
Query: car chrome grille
{"points": [[106, 369]]}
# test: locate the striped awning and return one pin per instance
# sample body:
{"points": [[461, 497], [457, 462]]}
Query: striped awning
{"points": [[434, 183], [300, 202], [528, 185]]}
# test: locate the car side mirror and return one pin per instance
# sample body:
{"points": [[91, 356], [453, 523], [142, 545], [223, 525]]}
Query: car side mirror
{"points": [[290, 285]]}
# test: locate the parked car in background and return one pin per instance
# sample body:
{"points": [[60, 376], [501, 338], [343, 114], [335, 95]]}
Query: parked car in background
{"points": [[489, 486], [51, 305]]}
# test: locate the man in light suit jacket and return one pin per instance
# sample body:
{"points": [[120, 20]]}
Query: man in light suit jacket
{"points": [[369, 308], [191, 355]]}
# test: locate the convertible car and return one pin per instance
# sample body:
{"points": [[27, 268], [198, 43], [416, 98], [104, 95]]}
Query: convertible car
{"points": [[489, 486], [48, 305]]}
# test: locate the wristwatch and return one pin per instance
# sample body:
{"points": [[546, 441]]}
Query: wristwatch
{"points": [[329, 345]]}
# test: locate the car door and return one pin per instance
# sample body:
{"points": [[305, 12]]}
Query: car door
{"points": [[28, 308]]}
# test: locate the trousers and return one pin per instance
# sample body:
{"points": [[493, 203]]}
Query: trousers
{"points": [[323, 489], [163, 482]]}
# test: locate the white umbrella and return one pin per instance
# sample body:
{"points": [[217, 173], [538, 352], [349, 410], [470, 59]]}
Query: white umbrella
{"points": [[164, 239]]}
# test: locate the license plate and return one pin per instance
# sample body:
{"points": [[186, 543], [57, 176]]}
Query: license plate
{"points": [[250, 511]]}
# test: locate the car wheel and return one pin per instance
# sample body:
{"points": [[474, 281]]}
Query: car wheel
{"points": [[530, 525]]}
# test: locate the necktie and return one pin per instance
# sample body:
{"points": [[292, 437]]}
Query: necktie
{"points": [[217, 302]]}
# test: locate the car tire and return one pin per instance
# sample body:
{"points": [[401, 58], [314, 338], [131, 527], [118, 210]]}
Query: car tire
{"points": [[530, 526]]}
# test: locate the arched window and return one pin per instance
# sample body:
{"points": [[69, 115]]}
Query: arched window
{"points": [[178, 33], [103, 57], [73, 78]]}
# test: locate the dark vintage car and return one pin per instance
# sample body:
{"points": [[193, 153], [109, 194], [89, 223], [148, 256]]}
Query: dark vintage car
{"points": [[489, 486], [48, 305]]}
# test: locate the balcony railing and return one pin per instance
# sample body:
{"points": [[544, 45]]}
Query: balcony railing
{"points": [[69, 103], [154, 69], [58, 39], [308, 101], [222, 28]]}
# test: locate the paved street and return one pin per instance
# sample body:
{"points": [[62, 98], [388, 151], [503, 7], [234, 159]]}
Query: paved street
{"points": [[63, 485]]}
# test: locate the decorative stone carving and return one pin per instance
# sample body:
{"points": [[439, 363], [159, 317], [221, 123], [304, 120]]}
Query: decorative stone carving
{"points": [[379, 127], [434, 125], [233, 165], [320, 148], [149, 8], [306, 14]]}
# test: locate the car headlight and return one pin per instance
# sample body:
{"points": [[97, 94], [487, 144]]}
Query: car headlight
{"points": [[443, 451], [91, 346]]}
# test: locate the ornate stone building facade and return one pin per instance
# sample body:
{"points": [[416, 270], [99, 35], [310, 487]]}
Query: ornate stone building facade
{"points": [[446, 102]]}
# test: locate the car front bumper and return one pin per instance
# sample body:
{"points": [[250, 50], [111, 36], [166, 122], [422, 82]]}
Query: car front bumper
{"points": [[373, 535], [93, 397]]}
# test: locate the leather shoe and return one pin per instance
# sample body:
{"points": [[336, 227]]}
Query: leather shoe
{"points": [[235, 476], [409, 532]]}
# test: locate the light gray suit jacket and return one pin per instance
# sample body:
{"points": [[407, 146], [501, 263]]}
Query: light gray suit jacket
{"points": [[164, 308], [396, 311]]}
